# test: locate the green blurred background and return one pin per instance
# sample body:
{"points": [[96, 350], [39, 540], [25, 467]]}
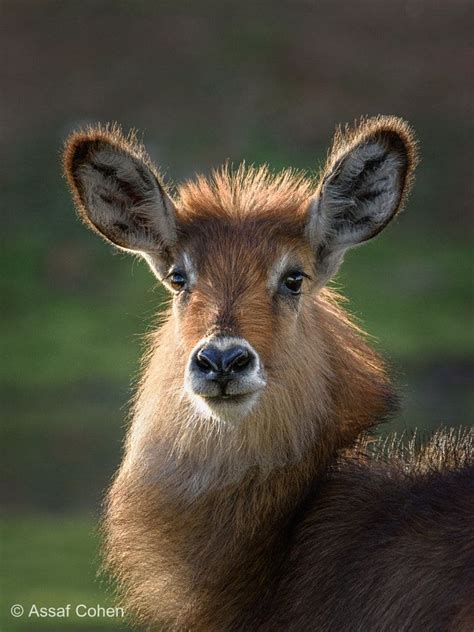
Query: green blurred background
{"points": [[205, 82]]}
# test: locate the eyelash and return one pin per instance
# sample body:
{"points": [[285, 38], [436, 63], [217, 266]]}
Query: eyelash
{"points": [[293, 278], [177, 284]]}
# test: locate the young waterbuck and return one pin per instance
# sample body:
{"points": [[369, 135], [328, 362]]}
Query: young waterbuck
{"points": [[249, 497]]}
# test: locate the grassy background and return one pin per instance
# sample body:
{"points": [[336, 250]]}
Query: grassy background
{"points": [[61, 571], [205, 83]]}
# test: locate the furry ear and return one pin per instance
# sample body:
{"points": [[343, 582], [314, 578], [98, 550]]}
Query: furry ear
{"points": [[118, 193], [364, 184]]}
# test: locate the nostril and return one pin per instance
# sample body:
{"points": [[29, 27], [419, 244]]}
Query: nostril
{"points": [[220, 364], [236, 359], [208, 359]]}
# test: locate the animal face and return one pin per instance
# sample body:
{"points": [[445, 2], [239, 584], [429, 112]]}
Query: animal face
{"points": [[238, 289], [244, 254]]}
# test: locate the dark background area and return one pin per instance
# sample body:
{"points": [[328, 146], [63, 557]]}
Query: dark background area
{"points": [[204, 82]]}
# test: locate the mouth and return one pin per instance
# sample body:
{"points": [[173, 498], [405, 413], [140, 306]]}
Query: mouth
{"points": [[228, 408], [227, 399]]}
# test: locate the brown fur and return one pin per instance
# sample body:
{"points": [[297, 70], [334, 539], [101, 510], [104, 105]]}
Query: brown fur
{"points": [[287, 520]]}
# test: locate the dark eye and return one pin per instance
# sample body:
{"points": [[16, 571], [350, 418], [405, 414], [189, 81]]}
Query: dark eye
{"points": [[292, 283], [177, 281]]}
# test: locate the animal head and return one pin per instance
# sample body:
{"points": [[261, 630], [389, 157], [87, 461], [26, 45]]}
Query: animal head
{"points": [[245, 256]]}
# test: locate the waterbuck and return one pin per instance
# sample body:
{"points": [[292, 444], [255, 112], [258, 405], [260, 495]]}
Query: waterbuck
{"points": [[250, 496]]}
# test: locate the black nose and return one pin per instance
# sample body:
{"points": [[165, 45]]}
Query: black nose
{"points": [[220, 364]]}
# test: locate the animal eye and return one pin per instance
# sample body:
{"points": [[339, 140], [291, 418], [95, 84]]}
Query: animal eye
{"points": [[292, 282], [177, 281]]}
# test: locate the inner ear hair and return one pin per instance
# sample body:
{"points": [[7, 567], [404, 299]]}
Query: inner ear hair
{"points": [[364, 184], [117, 190]]}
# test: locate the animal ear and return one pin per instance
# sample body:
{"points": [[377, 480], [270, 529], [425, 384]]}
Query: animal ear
{"points": [[118, 193], [364, 184]]}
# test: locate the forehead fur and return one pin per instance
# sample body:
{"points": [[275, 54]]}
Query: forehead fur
{"points": [[247, 193]]}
